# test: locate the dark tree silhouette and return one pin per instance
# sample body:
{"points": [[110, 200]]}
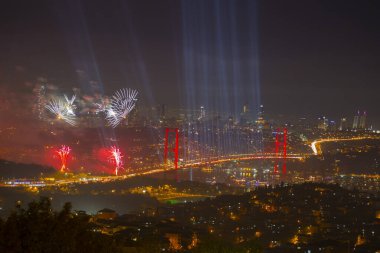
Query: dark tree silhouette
{"points": [[39, 229]]}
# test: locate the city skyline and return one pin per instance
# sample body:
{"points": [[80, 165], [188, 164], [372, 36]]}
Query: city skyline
{"points": [[204, 126], [146, 46]]}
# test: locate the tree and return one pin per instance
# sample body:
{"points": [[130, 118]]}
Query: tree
{"points": [[39, 229]]}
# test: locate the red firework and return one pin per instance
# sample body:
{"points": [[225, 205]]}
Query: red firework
{"points": [[63, 153], [116, 158]]}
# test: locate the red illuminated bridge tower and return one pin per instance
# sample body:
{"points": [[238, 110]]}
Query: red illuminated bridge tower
{"points": [[281, 143], [175, 149]]}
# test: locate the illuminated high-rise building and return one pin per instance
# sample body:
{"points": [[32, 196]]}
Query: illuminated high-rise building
{"points": [[245, 108], [261, 111], [343, 124], [260, 117], [323, 123], [355, 124], [246, 116], [162, 111], [362, 120], [202, 113]]}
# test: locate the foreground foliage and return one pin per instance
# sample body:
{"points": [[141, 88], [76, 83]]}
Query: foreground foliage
{"points": [[39, 229]]}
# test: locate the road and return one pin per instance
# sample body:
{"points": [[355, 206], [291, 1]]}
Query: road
{"points": [[316, 145], [189, 164]]}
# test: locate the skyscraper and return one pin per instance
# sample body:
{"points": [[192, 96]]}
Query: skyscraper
{"points": [[323, 123], [202, 113], [163, 111], [356, 121], [245, 115], [260, 117], [245, 108], [343, 124], [362, 120]]}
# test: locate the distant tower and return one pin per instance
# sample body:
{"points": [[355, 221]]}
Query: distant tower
{"points": [[245, 114], [261, 111], [362, 120], [343, 124], [245, 108], [163, 111], [323, 123], [356, 121], [202, 113], [260, 117]]}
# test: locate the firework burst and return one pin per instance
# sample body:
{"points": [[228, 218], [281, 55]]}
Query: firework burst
{"points": [[122, 103], [69, 105], [63, 154], [59, 109], [116, 158]]}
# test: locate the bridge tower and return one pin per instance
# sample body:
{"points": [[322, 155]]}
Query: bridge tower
{"points": [[278, 144], [175, 149]]}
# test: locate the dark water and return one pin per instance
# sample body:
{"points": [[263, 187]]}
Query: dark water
{"points": [[129, 203], [245, 174]]}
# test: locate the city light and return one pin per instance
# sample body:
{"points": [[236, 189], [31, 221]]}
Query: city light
{"points": [[315, 145], [189, 126]]}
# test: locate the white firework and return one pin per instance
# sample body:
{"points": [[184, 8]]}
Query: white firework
{"points": [[122, 103], [59, 109], [69, 105]]}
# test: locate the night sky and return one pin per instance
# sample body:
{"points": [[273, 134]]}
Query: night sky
{"points": [[302, 58]]}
